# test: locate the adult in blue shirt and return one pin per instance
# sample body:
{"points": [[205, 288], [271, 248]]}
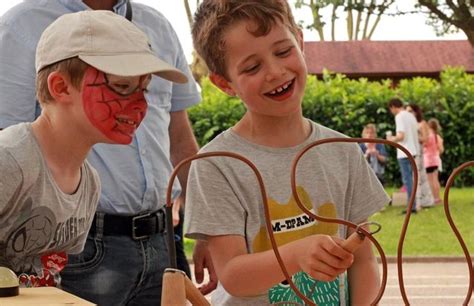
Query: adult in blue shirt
{"points": [[126, 252], [375, 153]]}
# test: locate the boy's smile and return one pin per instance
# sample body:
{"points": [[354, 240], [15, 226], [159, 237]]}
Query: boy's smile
{"points": [[282, 92], [267, 72]]}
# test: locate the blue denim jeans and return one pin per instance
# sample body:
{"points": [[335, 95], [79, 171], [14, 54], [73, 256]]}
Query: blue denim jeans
{"points": [[407, 178], [117, 270]]}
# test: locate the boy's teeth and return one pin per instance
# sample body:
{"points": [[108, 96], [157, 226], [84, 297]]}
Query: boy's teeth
{"points": [[131, 122], [280, 89]]}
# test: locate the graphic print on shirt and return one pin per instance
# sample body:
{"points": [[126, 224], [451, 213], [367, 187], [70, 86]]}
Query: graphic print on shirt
{"points": [[290, 223], [34, 233]]}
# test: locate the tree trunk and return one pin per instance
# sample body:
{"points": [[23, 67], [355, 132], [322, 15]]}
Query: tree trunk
{"points": [[370, 10], [381, 9], [369, 37], [359, 18], [188, 13], [350, 21], [317, 23], [333, 22], [470, 36]]}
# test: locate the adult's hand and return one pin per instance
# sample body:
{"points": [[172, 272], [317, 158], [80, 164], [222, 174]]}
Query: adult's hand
{"points": [[175, 210], [202, 260]]}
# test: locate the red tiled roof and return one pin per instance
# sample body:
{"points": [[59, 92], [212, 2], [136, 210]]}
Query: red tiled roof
{"points": [[388, 58]]}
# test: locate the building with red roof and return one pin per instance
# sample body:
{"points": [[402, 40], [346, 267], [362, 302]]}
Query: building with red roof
{"points": [[376, 60]]}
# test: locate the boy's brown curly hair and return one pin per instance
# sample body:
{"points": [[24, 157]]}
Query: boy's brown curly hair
{"points": [[214, 17]]}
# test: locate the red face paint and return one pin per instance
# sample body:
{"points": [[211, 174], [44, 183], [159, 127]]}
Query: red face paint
{"points": [[114, 115]]}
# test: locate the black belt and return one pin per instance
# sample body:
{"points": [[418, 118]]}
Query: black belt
{"points": [[138, 226]]}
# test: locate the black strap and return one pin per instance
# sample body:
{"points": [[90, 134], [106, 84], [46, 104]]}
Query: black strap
{"points": [[128, 13]]}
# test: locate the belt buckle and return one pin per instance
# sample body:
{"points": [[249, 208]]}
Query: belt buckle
{"points": [[134, 227]]}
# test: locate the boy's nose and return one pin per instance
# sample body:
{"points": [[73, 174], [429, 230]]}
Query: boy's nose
{"points": [[274, 71]]}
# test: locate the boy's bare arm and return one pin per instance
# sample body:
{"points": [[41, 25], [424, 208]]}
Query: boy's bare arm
{"points": [[363, 276], [244, 274]]}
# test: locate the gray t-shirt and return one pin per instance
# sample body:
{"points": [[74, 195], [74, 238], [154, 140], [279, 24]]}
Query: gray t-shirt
{"points": [[36, 217], [223, 198]]}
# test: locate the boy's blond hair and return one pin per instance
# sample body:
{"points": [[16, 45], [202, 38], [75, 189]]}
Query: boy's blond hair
{"points": [[214, 17], [72, 68]]}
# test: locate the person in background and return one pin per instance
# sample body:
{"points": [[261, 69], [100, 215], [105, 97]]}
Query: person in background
{"points": [[375, 153], [407, 136], [433, 148], [254, 50], [125, 253], [424, 196]]}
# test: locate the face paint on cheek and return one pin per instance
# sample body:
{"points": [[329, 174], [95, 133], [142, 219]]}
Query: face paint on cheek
{"points": [[115, 116], [131, 116]]}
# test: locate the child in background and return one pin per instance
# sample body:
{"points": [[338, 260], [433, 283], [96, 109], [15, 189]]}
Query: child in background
{"points": [[92, 70], [433, 148], [424, 196], [254, 50], [375, 153]]}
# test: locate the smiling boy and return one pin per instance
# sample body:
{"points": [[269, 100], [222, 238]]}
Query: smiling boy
{"points": [[92, 70], [254, 50]]}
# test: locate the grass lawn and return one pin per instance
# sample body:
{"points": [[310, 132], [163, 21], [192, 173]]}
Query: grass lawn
{"points": [[428, 234]]}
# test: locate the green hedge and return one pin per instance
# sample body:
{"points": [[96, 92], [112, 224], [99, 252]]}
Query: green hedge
{"points": [[347, 105]]}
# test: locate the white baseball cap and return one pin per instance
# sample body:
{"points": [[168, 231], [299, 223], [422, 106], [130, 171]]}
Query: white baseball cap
{"points": [[104, 40]]}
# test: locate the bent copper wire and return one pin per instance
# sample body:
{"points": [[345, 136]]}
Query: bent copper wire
{"points": [[449, 183], [170, 231], [350, 224], [169, 203]]}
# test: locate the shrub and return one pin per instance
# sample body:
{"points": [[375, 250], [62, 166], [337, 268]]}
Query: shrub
{"points": [[346, 105], [215, 114]]}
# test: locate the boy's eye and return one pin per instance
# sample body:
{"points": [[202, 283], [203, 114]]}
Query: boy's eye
{"points": [[127, 85], [251, 69], [284, 52]]}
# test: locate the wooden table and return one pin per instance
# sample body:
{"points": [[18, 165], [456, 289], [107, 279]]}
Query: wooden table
{"points": [[42, 296]]}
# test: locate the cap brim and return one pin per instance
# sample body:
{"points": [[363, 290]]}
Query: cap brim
{"points": [[135, 64]]}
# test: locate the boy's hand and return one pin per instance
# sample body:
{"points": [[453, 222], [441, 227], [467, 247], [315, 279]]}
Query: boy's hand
{"points": [[322, 257]]}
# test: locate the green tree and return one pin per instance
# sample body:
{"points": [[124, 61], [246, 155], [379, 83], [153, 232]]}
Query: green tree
{"points": [[361, 27], [448, 16]]}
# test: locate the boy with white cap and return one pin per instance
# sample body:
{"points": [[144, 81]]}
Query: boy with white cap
{"points": [[92, 70]]}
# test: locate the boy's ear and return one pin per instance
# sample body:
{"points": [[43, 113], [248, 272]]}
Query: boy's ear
{"points": [[222, 83], [58, 86]]}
